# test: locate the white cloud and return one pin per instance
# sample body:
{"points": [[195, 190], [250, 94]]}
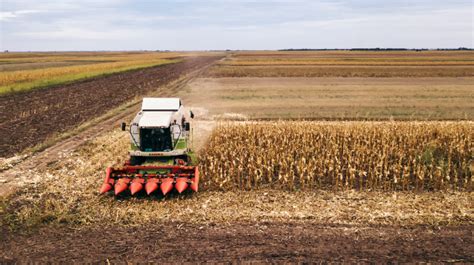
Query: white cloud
{"points": [[72, 34], [7, 15]]}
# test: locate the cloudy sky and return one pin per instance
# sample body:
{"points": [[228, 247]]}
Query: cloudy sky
{"points": [[44, 25]]}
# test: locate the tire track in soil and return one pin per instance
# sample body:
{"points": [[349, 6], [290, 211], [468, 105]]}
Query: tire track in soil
{"points": [[17, 176]]}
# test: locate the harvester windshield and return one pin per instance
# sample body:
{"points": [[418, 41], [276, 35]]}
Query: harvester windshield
{"points": [[155, 139]]}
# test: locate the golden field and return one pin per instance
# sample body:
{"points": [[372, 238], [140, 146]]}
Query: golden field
{"points": [[24, 71], [386, 156]]}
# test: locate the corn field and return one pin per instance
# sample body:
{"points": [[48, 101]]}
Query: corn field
{"points": [[340, 155]]}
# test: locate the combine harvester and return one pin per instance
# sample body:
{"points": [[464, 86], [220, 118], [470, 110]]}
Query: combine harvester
{"points": [[160, 156]]}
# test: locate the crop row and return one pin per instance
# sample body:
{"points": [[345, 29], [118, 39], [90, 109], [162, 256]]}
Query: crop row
{"points": [[340, 155]]}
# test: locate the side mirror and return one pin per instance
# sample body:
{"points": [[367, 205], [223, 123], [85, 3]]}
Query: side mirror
{"points": [[191, 114], [187, 126], [124, 126]]}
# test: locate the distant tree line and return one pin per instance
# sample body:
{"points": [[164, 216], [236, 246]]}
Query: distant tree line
{"points": [[382, 49]]}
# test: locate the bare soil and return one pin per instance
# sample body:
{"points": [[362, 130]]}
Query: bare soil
{"points": [[341, 71], [249, 242], [30, 118]]}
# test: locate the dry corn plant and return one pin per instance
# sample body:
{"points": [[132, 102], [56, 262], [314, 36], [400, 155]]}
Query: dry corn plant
{"points": [[248, 156], [340, 155]]}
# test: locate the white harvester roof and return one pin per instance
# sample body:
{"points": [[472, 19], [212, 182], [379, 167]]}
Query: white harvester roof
{"points": [[158, 112], [155, 119], [161, 104]]}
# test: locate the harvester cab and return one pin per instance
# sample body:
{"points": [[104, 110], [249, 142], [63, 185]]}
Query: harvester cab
{"points": [[160, 155]]}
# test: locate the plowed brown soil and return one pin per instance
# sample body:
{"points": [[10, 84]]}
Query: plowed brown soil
{"points": [[249, 242], [30, 118]]}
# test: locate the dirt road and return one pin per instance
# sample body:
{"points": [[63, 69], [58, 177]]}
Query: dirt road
{"points": [[249, 242]]}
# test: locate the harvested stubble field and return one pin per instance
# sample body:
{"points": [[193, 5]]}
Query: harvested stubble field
{"points": [[347, 64], [377, 191], [333, 98]]}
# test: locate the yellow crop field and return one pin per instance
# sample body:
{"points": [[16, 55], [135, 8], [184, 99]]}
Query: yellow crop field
{"points": [[341, 155], [46, 71]]}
